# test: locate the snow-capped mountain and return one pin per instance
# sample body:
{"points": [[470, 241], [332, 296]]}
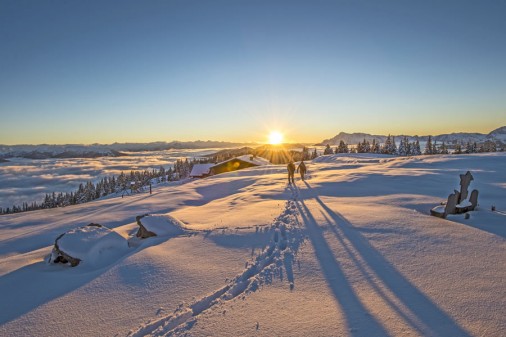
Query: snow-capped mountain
{"points": [[44, 151], [460, 138], [352, 138], [57, 151], [497, 135]]}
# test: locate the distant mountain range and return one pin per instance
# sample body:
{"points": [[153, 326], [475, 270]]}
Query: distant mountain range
{"points": [[44, 151], [497, 136]]}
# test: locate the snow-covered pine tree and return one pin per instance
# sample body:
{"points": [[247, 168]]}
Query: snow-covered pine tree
{"points": [[402, 150], [428, 147], [409, 147], [443, 149], [375, 148], [458, 149], [387, 146], [314, 154], [394, 146], [435, 148], [360, 147], [342, 148], [415, 149], [327, 150], [366, 146], [469, 148]]}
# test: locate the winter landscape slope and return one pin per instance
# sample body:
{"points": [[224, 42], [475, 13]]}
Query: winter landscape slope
{"points": [[351, 251]]}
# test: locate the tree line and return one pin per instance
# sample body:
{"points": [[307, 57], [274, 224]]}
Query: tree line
{"points": [[407, 148]]}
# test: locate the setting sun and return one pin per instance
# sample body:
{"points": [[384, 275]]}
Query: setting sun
{"points": [[275, 137]]}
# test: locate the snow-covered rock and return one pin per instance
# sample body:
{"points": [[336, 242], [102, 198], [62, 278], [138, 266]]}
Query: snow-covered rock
{"points": [[86, 244], [158, 225]]}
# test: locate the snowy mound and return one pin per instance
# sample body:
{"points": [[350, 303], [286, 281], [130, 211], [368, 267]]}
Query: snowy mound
{"points": [[89, 244], [159, 225]]}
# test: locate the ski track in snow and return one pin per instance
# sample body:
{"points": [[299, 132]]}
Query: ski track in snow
{"points": [[287, 237]]}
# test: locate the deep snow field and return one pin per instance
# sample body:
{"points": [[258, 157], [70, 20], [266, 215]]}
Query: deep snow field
{"points": [[352, 251]]}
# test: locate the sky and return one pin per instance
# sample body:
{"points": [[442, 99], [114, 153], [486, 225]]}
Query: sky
{"points": [[140, 71]]}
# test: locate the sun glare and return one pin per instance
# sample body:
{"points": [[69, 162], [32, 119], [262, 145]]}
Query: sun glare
{"points": [[275, 137]]}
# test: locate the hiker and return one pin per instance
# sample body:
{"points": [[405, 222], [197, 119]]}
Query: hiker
{"points": [[291, 170], [302, 169]]}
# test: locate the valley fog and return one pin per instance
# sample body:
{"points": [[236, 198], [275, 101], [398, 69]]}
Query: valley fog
{"points": [[28, 180]]}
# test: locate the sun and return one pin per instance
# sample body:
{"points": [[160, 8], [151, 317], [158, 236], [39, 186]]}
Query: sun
{"points": [[275, 138]]}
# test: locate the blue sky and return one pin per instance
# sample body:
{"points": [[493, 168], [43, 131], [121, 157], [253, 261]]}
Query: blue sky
{"points": [[140, 71]]}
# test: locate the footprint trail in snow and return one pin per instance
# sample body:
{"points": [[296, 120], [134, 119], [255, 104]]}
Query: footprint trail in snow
{"points": [[287, 237]]}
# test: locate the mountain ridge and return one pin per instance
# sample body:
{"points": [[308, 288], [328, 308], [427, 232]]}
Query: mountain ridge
{"points": [[44, 151], [497, 135]]}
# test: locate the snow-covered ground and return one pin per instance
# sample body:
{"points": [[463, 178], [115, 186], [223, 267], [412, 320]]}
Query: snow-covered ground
{"points": [[352, 251]]}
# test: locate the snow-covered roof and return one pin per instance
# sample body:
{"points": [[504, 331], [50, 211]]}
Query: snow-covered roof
{"points": [[200, 170], [259, 161]]}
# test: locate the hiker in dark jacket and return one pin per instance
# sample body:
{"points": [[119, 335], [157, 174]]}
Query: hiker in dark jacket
{"points": [[291, 171], [302, 169]]}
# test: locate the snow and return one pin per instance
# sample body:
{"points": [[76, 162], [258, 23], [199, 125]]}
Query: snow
{"points": [[200, 170], [92, 244], [464, 204], [352, 251], [162, 224]]}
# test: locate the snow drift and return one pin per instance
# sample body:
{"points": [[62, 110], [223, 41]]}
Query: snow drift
{"points": [[158, 225], [88, 244]]}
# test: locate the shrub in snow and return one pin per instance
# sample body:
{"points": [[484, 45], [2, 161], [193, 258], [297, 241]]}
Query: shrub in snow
{"points": [[158, 225], [87, 243]]}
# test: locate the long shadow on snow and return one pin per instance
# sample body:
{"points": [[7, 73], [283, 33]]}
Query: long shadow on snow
{"points": [[219, 190], [29, 287], [253, 240], [353, 309], [426, 311]]}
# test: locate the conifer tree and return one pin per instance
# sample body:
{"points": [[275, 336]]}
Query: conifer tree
{"points": [[458, 149], [327, 150], [443, 149], [393, 149], [469, 148], [402, 150], [387, 146], [315, 154], [342, 148], [428, 147], [375, 148], [366, 147]]}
